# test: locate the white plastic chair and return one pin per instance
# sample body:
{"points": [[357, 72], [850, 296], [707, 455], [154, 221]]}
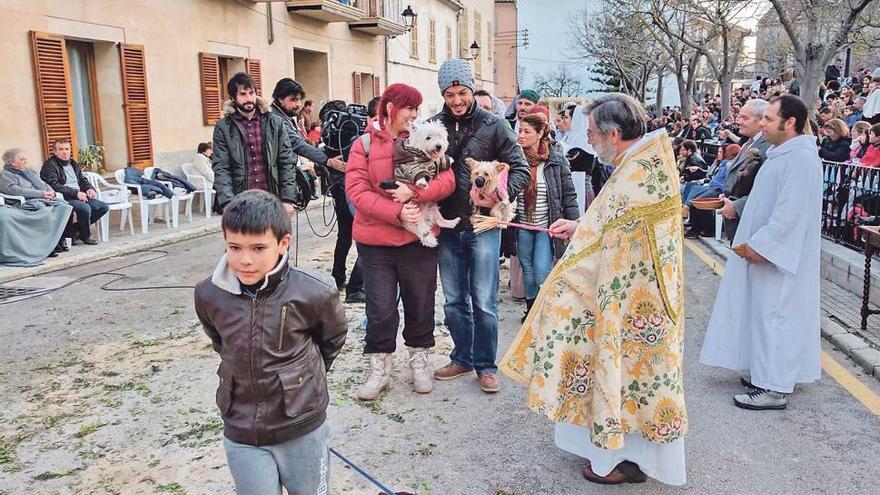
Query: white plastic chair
{"points": [[175, 199], [10, 197], [144, 203], [124, 208], [719, 225], [203, 187]]}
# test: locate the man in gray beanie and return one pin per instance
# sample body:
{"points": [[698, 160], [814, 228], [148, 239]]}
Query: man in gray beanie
{"points": [[469, 261]]}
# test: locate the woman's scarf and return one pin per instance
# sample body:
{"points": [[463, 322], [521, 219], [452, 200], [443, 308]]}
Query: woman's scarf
{"points": [[535, 158]]}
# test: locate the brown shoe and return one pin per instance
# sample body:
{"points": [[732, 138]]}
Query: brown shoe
{"points": [[489, 383], [625, 472], [451, 371]]}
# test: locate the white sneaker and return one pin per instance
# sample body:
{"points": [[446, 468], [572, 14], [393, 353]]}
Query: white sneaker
{"points": [[760, 399], [379, 379], [421, 372]]}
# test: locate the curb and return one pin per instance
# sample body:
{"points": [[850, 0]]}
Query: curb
{"points": [[11, 274], [853, 346]]}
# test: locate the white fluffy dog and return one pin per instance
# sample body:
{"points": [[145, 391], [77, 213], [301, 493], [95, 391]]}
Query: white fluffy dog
{"points": [[418, 160]]}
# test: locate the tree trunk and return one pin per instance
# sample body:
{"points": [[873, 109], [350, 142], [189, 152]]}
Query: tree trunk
{"points": [[810, 72], [726, 85], [658, 100]]}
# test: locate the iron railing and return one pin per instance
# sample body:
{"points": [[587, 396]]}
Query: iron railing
{"points": [[850, 197]]}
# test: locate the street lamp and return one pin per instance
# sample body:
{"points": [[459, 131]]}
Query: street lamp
{"points": [[474, 50], [409, 17]]}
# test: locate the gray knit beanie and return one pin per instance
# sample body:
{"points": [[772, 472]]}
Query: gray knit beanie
{"points": [[455, 72]]}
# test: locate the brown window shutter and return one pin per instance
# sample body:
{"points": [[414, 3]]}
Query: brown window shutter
{"points": [[356, 87], [253, 70], [212, 100], [136, 103], [377, 86], [54, 100]]}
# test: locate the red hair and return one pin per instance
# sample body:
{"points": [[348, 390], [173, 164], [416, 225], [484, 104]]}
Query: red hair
{"points": [[400, 96]]}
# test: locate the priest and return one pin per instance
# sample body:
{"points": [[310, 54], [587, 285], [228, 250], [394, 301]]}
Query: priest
{"points": [[766, 316], [601, 351]]}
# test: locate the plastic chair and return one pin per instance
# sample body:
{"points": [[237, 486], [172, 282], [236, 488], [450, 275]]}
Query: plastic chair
{"points": [[10, 197], [203, 187], [124, 208], [145, 203], [719, 225], [175, 199]]}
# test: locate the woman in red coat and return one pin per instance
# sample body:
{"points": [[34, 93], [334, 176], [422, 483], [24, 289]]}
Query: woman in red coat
{"points": [[391, 256]]}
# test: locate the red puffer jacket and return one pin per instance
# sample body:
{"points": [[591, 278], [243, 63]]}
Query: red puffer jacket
{"points": [[376, 221]]}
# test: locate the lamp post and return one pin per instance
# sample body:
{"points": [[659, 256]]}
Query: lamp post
{"points": [[474, 50], [409, 20]]}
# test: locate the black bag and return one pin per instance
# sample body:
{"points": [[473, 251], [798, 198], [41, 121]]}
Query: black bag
{"points": [[579, 160], [305, 188]]}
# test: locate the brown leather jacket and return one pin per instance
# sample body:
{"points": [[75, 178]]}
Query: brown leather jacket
{"points": [[275, 347]]}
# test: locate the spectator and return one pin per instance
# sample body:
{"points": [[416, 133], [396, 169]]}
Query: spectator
{"points": [[202, 162], [484, 100], [835, 145], [692, 165], [307, 114], [856, 111], [825, 114], [315, 133], [248, 123], [872, 154], [392, 257], [713, 185], [527, 99], [36, 230], [860, 136], [65, 176], [832, 72]]}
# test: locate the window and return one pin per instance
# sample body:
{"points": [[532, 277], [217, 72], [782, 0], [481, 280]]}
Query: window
{"points": [[432, 41], [448, 42], [489, 40], [478, 38], [83, 92], [464, 34], [414, 39]]}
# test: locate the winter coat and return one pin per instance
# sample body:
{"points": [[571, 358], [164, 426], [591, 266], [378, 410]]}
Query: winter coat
{"points": [[835, 151], [872, 156], [229, 161], [561, 195], [149, 188], [53, 174], [481, 136], [23, 183], [159, 174], [275, 346], [377, 222]]}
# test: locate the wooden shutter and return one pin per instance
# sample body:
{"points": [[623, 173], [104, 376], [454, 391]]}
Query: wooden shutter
{"points": [[448, 42], [356, 87], [377, 86], [54, 98], [478, 37], [464, 35], [414, 39], [212, 100], [253, 69], [432, 41], [135, 101]]}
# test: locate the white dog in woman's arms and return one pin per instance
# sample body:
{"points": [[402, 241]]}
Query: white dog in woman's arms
{"points": [[417, 160]]}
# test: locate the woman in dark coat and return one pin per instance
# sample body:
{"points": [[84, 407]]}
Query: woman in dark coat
{"points": [[835, 145]]}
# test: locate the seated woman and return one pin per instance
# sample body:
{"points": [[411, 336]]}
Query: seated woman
{"points": [[871, 158], [713, 185], [202, 162], [835, 145], [860, 135], [31, 231]]}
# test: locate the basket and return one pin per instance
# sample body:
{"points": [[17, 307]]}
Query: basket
{"points": [[707, 203]]}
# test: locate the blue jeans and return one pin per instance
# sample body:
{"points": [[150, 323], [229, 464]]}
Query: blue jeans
{"points": [[535, 253], [469, 271]]}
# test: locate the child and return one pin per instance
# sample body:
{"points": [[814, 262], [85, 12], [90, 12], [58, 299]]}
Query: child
{"points": [[277, 331]]}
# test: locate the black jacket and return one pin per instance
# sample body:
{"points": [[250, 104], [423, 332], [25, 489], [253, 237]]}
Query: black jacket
{"points": [[53, 174], [298, 142], [835, 151], [561, 194], [481, 136], [229, 162], [275, 347]]}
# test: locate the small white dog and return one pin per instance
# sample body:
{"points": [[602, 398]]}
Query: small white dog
{"points": [[417, 160]]}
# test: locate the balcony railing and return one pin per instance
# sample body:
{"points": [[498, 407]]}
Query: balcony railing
{"points": [[328, 10], [382, 18], [851, 197]]}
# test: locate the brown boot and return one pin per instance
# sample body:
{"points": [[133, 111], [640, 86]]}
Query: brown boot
{"points": [[625, 472], [452, 371], [489, 383]]}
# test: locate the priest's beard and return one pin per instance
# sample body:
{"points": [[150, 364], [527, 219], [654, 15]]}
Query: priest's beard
{"points": [[605, 153]]}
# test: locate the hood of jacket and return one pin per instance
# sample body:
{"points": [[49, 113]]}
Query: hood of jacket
{"points": [[802, 142], [226, 279], [263, 106]]}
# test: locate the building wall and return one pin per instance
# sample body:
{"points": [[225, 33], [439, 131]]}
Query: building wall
{"points": [[420, 71], [506, 86], [172, 33]]}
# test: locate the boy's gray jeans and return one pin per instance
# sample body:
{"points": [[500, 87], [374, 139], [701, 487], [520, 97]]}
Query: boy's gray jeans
{"points": [[301, 465]]}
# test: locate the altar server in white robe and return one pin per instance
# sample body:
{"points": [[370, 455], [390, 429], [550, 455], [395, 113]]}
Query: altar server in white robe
{"points": [[766, 315]]}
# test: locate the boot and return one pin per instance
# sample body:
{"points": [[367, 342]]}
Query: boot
{"points": [[529, 303], [421, 372], [379, 379]]}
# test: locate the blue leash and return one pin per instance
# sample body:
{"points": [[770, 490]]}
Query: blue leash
{"points": [[385, 489]]}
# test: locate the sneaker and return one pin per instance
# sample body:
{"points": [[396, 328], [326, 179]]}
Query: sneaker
{"points": [[421, 371], [90, 241], [452, 371], [356, 297], [747, 382], [379, 379], [761, 400], [489, 383]]}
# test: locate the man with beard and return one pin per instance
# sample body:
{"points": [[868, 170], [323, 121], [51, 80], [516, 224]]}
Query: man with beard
{"points": [[601, 350], [526, 100], [251, 147], [469, 261]]}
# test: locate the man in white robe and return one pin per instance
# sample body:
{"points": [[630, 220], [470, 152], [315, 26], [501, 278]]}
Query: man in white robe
{"points": [[766, 314]]}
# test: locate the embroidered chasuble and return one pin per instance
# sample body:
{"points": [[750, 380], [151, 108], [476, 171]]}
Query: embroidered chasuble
{"points": [[602, 347]]}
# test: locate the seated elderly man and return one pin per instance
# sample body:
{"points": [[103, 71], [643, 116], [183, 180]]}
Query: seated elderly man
{"points": [[31, 231], [65, 176]]}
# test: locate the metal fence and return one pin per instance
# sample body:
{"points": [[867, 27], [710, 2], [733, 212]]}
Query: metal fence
{"points": [[851, 197]]}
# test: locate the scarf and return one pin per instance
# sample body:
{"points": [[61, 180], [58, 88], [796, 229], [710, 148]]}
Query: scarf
{"points": [[31, 177], [535, 159]]}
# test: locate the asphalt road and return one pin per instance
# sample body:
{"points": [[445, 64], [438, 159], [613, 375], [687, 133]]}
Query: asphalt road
{"points": [[456, 440]]}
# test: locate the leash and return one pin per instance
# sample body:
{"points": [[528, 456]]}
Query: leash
{"points": [[385, 489]]}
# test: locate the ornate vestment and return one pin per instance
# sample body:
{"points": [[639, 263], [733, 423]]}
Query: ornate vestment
{"points": [[602, 346]]}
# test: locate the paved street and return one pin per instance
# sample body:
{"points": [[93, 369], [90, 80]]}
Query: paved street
{"points": [[112, 392]]}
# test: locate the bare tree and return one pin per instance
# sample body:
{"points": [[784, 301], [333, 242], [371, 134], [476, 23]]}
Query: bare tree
{"points": [[520, 78], [817, 31], [558, 83]]}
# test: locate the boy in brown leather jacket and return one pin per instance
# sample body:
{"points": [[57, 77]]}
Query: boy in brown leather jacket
{"points": [[277, 331]]}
